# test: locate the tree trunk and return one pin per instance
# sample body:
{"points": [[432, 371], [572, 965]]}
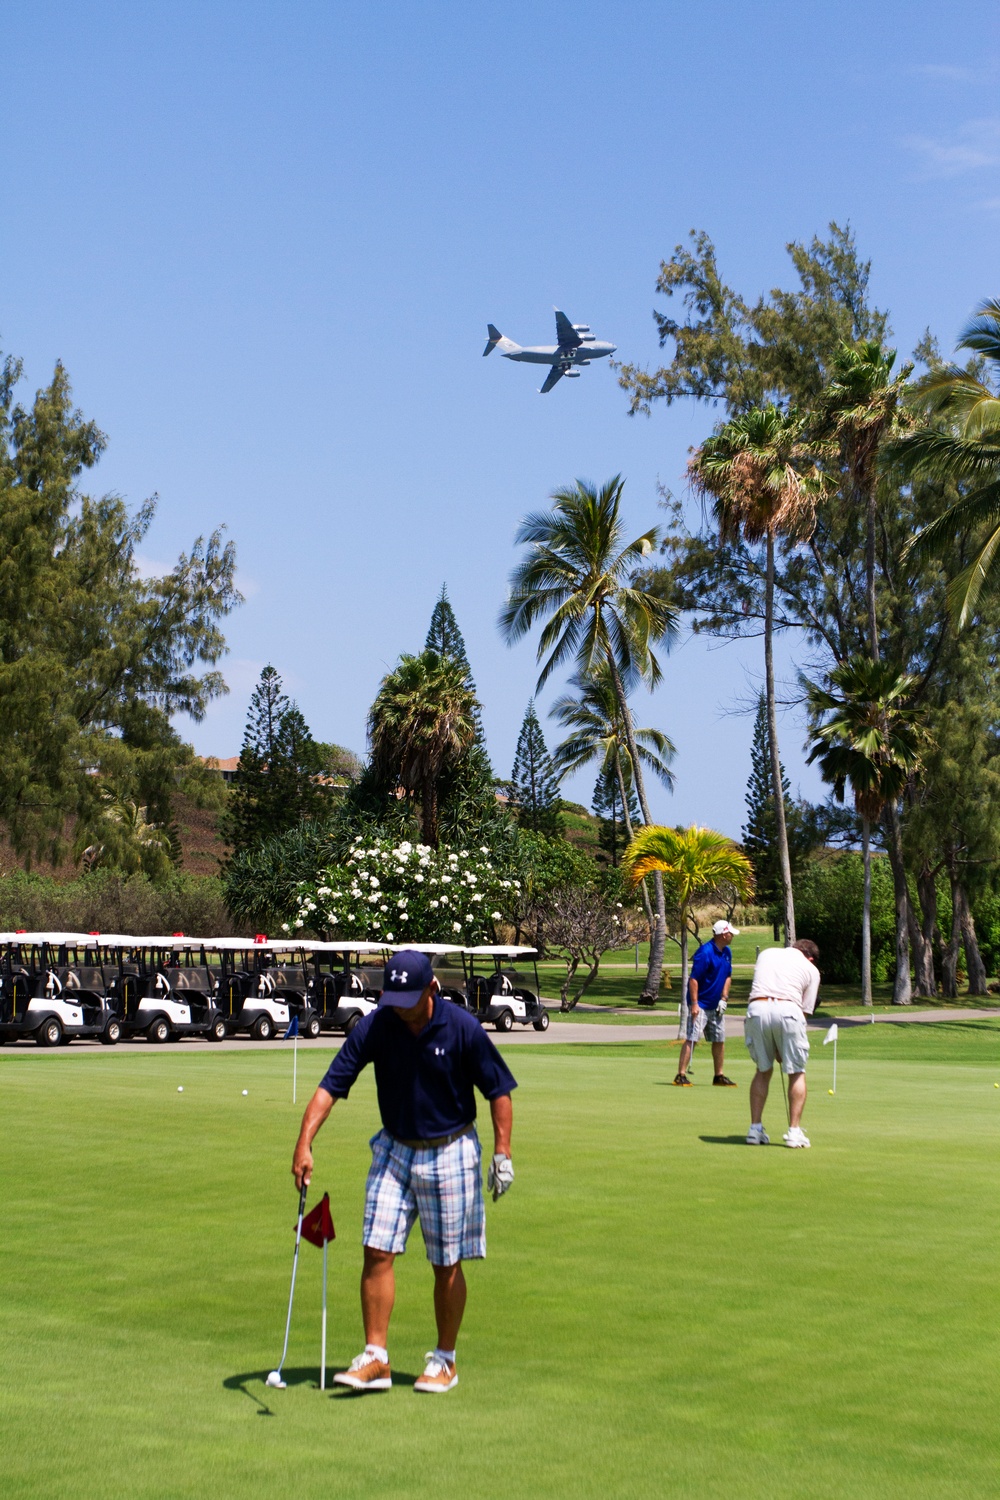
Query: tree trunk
{"points": [[429, 811], [772, 734], [902, 992], [974, 966], [626, 815], [949, 963], [866, 916], [922, 934], [872, 525], [658, 935]]}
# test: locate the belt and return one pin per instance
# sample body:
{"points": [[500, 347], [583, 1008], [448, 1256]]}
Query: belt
{"points": [[437, 1140]]}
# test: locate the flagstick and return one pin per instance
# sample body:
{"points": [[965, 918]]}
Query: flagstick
{"points": [[835, 1065], [295, 1064], [322, 1356]]}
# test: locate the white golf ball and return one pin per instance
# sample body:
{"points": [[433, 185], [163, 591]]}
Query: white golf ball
{"points": [[180, 1088], [245, 1092]]}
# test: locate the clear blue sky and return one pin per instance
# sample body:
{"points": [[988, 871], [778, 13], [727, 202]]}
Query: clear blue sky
{"points": [[266, 239]]}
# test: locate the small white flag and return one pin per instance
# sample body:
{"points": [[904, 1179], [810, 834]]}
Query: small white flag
{"points": [[831, 1034]]}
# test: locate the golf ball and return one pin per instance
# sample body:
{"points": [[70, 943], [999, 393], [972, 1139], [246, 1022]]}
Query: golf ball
{"points": [[829, 1091], [245, 1092], [180, 1088]]}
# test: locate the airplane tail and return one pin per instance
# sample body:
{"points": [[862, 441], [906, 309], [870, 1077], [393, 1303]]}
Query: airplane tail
{"points": [[507, 346]]}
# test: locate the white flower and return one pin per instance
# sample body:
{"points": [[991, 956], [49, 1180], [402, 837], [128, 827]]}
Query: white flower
{"points": [[383, 907], [470, 878], [434, 905], [456, 926], [483, 849], [453, 859], [505, 884], [478, 896], [322, 890], [390, 937], [464, 854], [401, 903], [373, 882], [285, 927], [372, 899], [405, 847], [446, 880], [444, 900], [419, 879], [469, 917], [495, 915]]}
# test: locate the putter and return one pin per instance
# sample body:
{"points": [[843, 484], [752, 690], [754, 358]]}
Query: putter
{"points": [[274, 1380], [784, 1093]]}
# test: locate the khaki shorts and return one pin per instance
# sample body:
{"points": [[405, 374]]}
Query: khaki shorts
{"points": [[776, 1029]]}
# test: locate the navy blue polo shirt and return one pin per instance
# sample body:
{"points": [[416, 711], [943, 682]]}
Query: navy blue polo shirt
{"points": [[425, 1082], [711, 969]]}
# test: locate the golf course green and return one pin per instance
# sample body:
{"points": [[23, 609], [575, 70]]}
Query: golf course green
{"points": [[664, 1310]]}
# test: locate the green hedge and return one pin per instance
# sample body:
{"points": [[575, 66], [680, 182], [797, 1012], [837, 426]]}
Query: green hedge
{"points": [[829, 895], [103, 902]]}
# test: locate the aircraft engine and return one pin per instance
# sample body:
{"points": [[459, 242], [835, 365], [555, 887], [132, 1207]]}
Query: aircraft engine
{"points": [[581, 327]]}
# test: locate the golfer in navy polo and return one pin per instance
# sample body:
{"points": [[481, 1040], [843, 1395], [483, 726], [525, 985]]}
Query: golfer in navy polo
{"points": [[429, 1055], [708, 992]]}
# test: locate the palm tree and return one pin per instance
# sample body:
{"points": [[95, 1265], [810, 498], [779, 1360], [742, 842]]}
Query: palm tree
{"points": [[753, 469], [422, 720], [693, 863], [968, 454], [123, 839], [863, 407], [601, 608], [871, 741], [594, 719]]}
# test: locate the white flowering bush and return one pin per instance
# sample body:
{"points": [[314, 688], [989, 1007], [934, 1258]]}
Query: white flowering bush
{"points": [[396, 893]]}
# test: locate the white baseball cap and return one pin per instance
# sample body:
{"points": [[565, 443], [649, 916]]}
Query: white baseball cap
{"points": [[723, 927]]}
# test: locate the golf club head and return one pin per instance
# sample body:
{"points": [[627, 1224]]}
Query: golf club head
{"points": [[275, 1381]]}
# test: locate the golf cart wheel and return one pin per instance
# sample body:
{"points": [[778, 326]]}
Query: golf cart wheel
{"points": [[352, 1021], [504, 1021], [311, 1027], [159, 1031], [217, 1030], [49, 1034], [542, 1024], [262, 1030], [111, 1033]]}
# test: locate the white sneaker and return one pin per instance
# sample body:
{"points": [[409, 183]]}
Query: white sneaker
{"points": [[365, 1373], [796, 1136], [758, 1136]]}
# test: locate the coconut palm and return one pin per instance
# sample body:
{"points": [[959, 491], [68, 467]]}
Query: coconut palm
{"points": [[123, 839], [422, 720], [601, 608], [869, 740], [965, 450], [761, 479], [693, 864], [863, 407]]}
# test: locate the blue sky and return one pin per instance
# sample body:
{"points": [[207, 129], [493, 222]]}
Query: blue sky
{"points": [[266, 240]]}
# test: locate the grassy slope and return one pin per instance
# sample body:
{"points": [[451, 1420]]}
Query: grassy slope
{"points": [[663, 1312]]}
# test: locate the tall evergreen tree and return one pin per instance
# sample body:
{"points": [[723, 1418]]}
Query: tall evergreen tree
{"points": [[445, 638], [275, 784], [805, 826], [534, 786], [607, 804]]}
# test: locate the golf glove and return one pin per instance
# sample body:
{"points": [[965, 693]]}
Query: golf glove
{"points": [[500, 1175]]}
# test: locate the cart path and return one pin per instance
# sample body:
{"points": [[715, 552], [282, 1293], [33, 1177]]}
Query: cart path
{"points": [[561, 1032]]}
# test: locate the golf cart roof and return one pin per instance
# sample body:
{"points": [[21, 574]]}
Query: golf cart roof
{"points": [[248, 945], [433, 950], [114, 940], [54, 939], [351, 945], [493, 950]]}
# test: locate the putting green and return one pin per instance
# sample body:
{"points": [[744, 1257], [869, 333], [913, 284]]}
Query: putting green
{"points": [[664, 1310]]}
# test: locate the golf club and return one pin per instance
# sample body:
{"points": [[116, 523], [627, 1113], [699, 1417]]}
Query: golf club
{"points": [[784, 1092], [274, 1380]]}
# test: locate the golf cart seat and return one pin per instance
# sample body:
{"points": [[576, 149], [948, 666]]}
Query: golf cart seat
{"points": [[289, 977], [196, 979], [500, 984]]}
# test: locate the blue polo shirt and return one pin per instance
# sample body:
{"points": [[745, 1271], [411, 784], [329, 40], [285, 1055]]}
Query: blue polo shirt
{"points": [[425, 1083], [711, 969]]}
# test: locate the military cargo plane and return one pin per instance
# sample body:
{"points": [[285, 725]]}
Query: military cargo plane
{"points": [[577, 346]]}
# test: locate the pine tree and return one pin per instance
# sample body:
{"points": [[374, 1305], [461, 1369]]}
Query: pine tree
{"points": [[760, 831], [534, 786], [275, 785], [444, 637], [607, 804]]}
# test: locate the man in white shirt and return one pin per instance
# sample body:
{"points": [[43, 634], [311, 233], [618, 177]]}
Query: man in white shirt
{"points": [[783, 992]]}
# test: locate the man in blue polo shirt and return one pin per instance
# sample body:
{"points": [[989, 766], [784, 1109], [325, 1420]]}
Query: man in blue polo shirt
{"points": [[428, 1056], [708, 992]]}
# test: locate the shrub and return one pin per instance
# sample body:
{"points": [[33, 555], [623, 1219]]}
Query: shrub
{"points": [[106, 902], [829, 896]]}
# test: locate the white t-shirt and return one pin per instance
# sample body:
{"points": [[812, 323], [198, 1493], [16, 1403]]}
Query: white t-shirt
{"points": [[785, 974]]}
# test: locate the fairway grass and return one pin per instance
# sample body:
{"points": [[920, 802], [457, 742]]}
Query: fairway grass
{"points": [[664, 1310]]}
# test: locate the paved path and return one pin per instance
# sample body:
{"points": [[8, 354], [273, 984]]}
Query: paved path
{"points": [[560, 1031]]}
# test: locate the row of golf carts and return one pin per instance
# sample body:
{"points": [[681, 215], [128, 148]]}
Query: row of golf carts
{"points": [[58, 985]]}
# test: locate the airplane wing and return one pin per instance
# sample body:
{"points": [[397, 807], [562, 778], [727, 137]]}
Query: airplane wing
{"points": [[565, 332], [556, 373]]}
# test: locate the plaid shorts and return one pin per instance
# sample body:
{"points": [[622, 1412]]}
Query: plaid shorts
{"points": [[440, 1185], [707, 1025]]}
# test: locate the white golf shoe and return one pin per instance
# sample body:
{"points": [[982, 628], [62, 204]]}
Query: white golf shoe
{"points": [[758, 1136], [795, 1136]]}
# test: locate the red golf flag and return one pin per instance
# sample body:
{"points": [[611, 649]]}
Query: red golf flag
{"points": [[317, 1227]]}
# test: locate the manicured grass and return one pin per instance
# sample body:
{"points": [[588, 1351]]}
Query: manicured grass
{"points": [[664, 1311]]}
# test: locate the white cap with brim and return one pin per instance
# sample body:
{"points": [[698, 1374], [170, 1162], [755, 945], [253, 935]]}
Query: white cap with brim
{"points": [[724, 928]]}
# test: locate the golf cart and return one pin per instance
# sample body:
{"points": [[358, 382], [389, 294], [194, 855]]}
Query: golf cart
{"points": [[51, 989], [341, 986], [449, 975], [282, 972], [497, 994], [164, 987], [250, 985]]}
